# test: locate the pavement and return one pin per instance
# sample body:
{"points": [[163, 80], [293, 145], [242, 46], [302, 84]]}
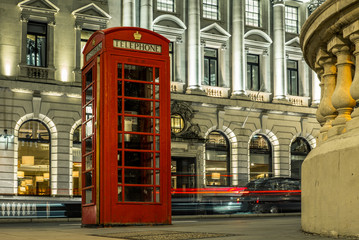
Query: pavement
{"points": [[231, 227]]}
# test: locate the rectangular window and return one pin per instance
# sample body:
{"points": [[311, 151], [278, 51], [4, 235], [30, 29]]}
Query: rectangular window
{"points": [[252, 13], [291, 19], [36, 44], [292, 76], [210, 9], [166, 5], [253, 77], [210, 67]]}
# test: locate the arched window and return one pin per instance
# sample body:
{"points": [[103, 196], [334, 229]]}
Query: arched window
{"points": [[34, 159], [260, 157], [217, 160], [76, 164], [299, 150]]}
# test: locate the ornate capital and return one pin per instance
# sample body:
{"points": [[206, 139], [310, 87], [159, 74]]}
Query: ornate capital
{"points": [[275, 2]]}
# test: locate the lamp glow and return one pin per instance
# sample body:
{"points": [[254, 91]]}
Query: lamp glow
{"points": [[7, 69], [75, 174], [64, 75]]}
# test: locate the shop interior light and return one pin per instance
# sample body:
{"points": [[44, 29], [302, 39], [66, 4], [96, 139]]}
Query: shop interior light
{"points": [[20, 174], [46, 176], [28, 160], [39, 178], [75, 174], [216, 176], [28, 182]]}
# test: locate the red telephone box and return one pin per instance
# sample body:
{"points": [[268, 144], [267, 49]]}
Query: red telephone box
{"points": [[126, 128]]}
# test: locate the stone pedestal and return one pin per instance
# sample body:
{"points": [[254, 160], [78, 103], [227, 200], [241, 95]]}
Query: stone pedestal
{"points": [[330, 183]]}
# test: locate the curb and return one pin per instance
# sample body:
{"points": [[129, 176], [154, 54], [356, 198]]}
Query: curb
{"points": [[52, 220]]}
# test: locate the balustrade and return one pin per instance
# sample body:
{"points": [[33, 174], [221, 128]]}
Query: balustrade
{"points": [[335, 63]]}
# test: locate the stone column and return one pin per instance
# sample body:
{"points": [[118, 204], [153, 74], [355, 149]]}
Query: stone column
{"points": [[352, 32], [341, 98], [238, 52], [194, 49], [279, 63], [326, 107], [128, 13], [146, 14]]}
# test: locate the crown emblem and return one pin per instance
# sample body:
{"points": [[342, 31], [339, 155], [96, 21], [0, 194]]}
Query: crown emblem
{"points": [[137, 35], [93, 42]]}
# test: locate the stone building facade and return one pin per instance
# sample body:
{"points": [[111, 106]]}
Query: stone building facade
{"points": [[243, 98]]}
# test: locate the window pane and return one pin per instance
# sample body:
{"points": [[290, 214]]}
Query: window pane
{"points": [[135, 141], [210, 9], [138, 159], [291, 19], [88, 196], [36, 44], [138, 194], [88, 162], [260, 157], [137, 124], [252, 13], [135, 72], [138, 176], [140, 90], [217, 160], [139, 107], [33, 165], [166, 5], [88, 179]]}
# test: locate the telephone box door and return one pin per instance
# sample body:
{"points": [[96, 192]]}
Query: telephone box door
{"points": [[137, 182]]}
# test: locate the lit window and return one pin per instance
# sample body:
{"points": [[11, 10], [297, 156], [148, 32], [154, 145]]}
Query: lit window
{"points": [[291, 19], [210, 67], [260, 157], [34, 159], [217, 160], [210, 9], [253, 79], [293, 79], [177, 123], [252, 13], [36, 44], [166, 5], [76, 165]]}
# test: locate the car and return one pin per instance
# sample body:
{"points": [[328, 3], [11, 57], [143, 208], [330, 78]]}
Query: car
{"points": [[272, 195]]}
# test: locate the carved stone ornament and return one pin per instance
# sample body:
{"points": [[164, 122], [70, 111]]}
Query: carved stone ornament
{"points": [[190, 129]]}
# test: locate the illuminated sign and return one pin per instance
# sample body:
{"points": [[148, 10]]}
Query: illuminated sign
{"points": [[137, 46], [94, 51]]}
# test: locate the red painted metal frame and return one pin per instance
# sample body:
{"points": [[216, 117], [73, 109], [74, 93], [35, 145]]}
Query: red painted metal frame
{"points": [[101, 55]]}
